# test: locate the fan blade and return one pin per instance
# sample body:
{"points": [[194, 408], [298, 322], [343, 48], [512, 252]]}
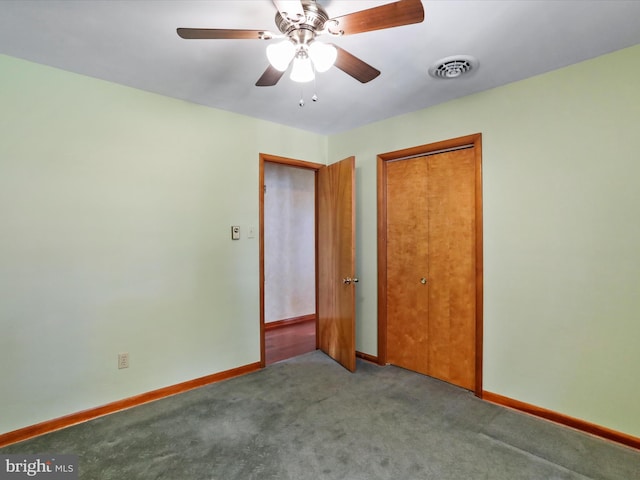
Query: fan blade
{"points": [[220, 33], [352, 65], [403, 12], [270, 77], [290, 9]]}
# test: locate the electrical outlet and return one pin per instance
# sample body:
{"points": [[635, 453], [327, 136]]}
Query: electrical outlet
{"points": [[123, 360]]}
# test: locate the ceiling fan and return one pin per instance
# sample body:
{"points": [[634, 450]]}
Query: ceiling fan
{"points": [[300, 22]]}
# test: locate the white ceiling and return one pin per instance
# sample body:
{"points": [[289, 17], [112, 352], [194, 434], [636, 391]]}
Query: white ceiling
{"points": [[134, 43]]}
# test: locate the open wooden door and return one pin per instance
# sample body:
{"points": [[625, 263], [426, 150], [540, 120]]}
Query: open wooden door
{"points": [[336, 262]]}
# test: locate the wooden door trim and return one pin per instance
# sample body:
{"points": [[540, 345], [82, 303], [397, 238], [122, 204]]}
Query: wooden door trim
{"points": [[266, 158], [474, 140]]}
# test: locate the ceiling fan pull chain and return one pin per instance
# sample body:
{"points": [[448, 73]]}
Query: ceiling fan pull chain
{"points": [[301, 102], [315, 86]]}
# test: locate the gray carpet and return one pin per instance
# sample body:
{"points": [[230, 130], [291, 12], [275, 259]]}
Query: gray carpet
{"points": [[307, 418]]}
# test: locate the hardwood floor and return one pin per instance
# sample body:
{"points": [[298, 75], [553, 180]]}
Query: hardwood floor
{"points": [[286, 341]]}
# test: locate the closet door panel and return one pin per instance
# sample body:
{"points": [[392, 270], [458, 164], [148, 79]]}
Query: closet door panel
{"points": [[407, 249], [451, 257]]}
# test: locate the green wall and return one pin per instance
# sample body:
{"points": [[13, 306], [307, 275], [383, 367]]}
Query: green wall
{"points": [[115, 207], [561, 232], [115, 213]]}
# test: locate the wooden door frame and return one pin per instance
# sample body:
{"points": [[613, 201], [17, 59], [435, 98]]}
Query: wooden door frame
{"points": [[266, 158], [474, 140]]}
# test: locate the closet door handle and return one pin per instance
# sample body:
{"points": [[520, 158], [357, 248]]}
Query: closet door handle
{"points": [[423, 281], [349, 280]]}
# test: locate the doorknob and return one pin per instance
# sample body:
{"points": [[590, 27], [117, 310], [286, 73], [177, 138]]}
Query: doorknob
{"points": [[423, 281], [348, 280]]}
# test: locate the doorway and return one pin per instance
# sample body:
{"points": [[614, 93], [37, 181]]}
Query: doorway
{"points": [[334, 257], [288, 263], [430, 260]]}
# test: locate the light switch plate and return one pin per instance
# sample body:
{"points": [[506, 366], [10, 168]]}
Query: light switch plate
{"points": [[235, 232]]}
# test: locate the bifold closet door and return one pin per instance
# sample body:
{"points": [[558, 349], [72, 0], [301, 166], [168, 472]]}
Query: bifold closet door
{"points": [[407, 264], [431, 291]]}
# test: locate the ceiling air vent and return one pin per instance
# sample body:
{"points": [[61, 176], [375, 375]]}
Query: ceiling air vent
{"points": [[453, 67]]}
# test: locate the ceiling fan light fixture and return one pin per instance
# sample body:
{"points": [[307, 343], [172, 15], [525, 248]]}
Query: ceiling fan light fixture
{"points": [[323, 55], [280, 54], [301, 21], [302, 70]]}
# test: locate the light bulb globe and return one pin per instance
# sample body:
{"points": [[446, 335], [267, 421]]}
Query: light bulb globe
{"points": [[323, 55], [302, 70], [280, 54]]}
